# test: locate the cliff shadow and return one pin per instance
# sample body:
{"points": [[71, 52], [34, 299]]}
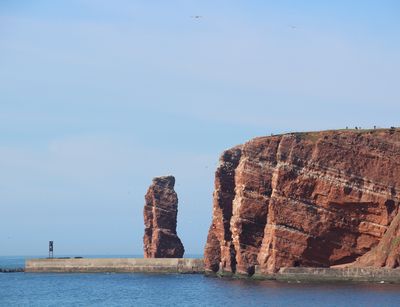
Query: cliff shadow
{"points": [[339, 242]]}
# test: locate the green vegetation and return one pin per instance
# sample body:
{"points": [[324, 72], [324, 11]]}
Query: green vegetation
{"points": [[395, 242], [314, 136]]}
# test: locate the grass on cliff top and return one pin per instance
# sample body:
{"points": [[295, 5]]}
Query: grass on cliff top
{"points": [[314, 135]]}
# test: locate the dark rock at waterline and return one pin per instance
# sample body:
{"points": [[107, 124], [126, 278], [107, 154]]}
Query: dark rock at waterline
{"points": [[11, 270]]}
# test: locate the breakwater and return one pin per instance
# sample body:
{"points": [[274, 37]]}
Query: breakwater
{"points": [[115, 265], [196, 266]]}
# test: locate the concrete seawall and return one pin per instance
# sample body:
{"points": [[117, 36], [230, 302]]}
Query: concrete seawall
{"points": [[115, 265], [333, 275]]}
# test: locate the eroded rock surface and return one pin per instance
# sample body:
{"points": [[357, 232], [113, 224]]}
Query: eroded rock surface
{"points": [[160, 213], [305, 199]]}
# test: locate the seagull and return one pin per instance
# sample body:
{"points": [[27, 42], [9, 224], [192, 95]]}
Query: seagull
{"points": [[293, 27], [197, 16]]}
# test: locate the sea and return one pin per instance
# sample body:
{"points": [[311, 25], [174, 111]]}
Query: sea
{"points": [[135, 289]]}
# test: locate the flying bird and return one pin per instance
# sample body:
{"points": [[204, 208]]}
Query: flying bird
{"points": [[196, 16]]}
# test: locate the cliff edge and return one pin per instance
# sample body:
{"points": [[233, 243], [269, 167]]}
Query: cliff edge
{"points": [[314, 199]]}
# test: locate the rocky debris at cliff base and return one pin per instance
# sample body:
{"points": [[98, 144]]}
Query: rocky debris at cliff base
{"points": [[160, 218], [387, 252], [315, 199]]}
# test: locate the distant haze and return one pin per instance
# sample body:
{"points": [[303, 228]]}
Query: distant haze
{"points": [[99, 97]]}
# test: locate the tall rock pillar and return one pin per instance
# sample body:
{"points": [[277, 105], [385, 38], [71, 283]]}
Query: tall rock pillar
{"points": [[160, 213]]}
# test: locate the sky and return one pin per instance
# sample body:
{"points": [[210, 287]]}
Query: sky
{"points": [[98, 97]]}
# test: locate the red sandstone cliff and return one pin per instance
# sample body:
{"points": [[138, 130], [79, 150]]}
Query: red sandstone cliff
{"points": [[160, 213], [306, 199]]}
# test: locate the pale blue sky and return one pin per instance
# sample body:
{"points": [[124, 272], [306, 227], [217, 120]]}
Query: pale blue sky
{"points": [[98, 97]]}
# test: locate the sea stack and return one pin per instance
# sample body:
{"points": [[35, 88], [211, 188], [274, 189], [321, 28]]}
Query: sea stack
{"points": [[160, 213], [315, 199]]}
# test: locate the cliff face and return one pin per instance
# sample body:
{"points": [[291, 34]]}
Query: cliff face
{"points": [[160, 212], [305, 199]]}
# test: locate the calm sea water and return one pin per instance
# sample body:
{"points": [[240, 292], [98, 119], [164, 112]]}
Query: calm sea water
{"points": [[29, 289]]}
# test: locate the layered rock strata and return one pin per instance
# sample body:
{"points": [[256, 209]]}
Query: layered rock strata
{"points": [[314, 199], [160, 213]]}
